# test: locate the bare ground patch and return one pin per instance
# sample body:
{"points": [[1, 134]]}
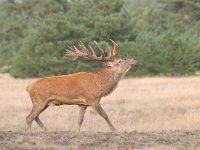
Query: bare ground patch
{"points": [[165, 140]]}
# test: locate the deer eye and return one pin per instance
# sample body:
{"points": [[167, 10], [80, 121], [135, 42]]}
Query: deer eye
{"points": [[120, 61]]}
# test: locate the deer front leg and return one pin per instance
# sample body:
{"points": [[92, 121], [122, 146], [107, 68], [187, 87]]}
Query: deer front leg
{"points": [[81, 116], [103, 114]]}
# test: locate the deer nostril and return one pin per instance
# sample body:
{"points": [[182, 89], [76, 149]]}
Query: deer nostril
{"points": [[133, 61]]}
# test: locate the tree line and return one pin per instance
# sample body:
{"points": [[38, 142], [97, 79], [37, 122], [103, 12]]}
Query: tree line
{"points": [[162, 35]]}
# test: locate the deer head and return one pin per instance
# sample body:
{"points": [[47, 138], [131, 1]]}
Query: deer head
{"points": [[119, 65]]}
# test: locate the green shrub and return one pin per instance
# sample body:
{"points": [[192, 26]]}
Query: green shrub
{"points": [[163, 36]]}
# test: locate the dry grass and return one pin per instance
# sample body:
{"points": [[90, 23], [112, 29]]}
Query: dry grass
{"points": [[142, 104]]}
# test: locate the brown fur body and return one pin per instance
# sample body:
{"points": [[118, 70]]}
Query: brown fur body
{"points": [[83, 89]]}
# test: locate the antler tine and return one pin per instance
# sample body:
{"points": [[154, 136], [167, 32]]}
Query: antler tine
{"points": [[114, 44], [100, 49], [93, 53], [75, 48], [71, 53], [72, 49], [74, 52], [113, 51], [82, 46]]}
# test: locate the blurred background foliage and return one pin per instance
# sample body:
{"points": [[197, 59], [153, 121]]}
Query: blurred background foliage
{"points": [[163, 35]]}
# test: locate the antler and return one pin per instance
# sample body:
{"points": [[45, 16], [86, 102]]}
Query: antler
{"points": [[86, 54]]}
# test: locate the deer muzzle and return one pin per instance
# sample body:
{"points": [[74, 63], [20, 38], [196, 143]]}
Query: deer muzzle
{"points": [[133, 61]]}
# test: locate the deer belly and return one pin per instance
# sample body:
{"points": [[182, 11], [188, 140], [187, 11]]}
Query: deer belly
{"points": [[59, 100]]}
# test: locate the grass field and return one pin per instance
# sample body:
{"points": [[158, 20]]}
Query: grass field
{"points": [[138, 104]]}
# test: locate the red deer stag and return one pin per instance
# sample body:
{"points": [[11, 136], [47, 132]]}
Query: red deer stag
{"points": [[83, 88]]}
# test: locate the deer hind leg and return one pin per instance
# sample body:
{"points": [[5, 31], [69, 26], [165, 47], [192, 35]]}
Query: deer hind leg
{"points": [[36, 110], [81, 116], [39, 122], [103, 114]]}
